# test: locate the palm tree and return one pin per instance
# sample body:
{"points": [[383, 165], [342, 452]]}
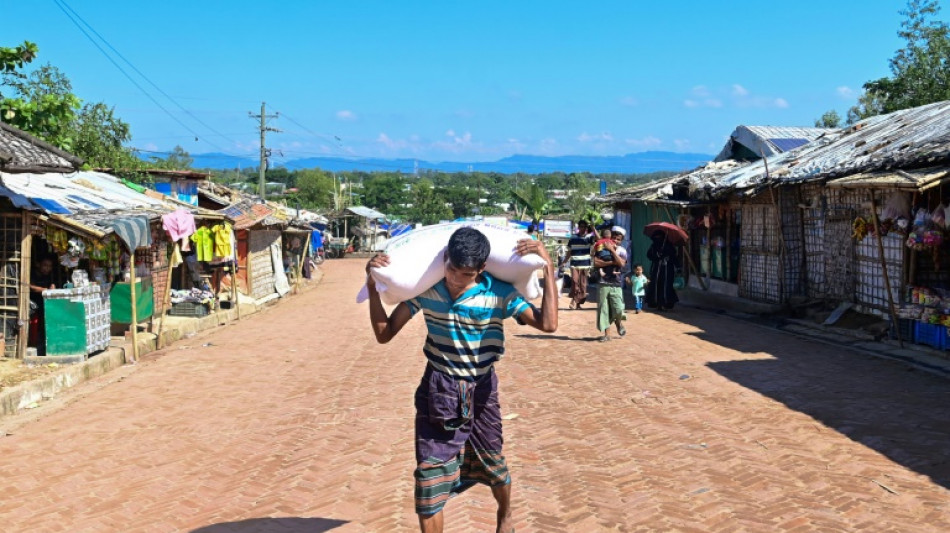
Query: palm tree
{"points": [[534, 199]]}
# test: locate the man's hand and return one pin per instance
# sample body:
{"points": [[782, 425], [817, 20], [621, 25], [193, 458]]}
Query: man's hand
{"points": [[531, 246], [377, 261], [611, 245]]}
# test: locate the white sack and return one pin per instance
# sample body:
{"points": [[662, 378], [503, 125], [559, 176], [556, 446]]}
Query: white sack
{"points": [[416, 262]]}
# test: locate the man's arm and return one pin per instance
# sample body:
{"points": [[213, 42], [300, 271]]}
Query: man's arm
{"points": [[545, 318], [385, 327]]}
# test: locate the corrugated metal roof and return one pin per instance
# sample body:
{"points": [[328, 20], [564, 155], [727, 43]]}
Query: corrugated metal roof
{"points": [[367, 212], [766, 141], [89, 199], [907, 139], [76, 192], [21, 152]]}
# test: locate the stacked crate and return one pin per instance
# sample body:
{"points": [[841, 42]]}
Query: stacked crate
{"points": [[96, 305]]}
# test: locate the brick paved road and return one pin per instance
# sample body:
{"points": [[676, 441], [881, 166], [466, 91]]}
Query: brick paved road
{"points": [[296, 421]]}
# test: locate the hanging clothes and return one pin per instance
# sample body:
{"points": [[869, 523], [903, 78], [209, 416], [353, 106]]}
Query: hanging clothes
{"points": [[179, 224], [222, 240], [204, 244]]}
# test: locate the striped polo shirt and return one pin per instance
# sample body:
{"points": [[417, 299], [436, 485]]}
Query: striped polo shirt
{"points": [[580, 251], [466, 336]]}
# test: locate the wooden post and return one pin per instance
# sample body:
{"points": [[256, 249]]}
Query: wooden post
{"points": [[303, 257], [728, 254], [135, 318], [166, 295], [781, 241], [26, 260], [887, 281], [709, 266]]}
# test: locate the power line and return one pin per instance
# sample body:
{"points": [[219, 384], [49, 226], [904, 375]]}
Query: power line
{"points": [[69, 12]]}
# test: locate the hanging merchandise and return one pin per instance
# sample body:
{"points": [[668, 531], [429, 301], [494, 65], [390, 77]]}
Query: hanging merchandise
{"points": [[938, 217], [859, 229], [58, 239], [76, 247], [897, 206], [221, 234], [204, 244]]}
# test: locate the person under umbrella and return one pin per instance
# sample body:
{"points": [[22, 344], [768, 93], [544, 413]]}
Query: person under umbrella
{"points": [[664, 262]]}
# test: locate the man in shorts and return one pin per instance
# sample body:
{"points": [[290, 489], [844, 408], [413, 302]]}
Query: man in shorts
{"points": [[458, 429]]}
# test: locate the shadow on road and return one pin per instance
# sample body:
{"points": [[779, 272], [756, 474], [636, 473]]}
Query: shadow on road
{"points": [[893, 409], [274, 525], [555, 337]]}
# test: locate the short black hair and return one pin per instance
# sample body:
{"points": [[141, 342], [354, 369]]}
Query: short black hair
{"points": [[532, 228], [468, 248]]}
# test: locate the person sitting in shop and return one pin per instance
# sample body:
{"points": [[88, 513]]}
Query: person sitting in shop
{"points": [[41, 279]]}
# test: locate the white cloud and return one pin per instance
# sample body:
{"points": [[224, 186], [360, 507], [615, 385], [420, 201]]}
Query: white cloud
{"points": [[646, 142], [601, 137], [681, 144], [345, 115], [845, 92], [151, 147], [464, 113], [629, 101], [385, 140], [450, 133], [735, 95]]}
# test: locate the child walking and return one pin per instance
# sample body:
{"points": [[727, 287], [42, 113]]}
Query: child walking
{"points": [[638, 282]]}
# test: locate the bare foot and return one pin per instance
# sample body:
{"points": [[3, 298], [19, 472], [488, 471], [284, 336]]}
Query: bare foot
{"points": [[505, 525]]}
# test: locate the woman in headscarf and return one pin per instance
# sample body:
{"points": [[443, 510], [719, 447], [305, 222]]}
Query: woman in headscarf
{"points": [[664, 262]]}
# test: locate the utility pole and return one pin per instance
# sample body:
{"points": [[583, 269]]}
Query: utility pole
{"points": [[264, 151]]}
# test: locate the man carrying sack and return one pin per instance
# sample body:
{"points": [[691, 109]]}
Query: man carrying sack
{"points": [[458, 427]]}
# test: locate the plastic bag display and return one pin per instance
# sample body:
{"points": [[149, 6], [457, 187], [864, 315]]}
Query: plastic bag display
{"points": [[897, 206], [417, 262]]}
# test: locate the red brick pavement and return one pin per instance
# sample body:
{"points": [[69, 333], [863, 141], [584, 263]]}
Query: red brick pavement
{"points": [[296, 420]]}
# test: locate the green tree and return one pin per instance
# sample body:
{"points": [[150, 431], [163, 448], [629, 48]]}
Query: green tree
{"points": [[314, 188], [920, 72], [428, 205], [100, 137], [12, 59], [44, 105], [178, 159], [829, 119], [385, 193]]}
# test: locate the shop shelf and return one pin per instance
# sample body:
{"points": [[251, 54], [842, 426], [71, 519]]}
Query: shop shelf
{"points": [[932, 335]]}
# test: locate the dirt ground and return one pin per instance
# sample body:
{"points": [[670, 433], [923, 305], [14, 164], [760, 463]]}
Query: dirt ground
{"points": [[13, 372]]}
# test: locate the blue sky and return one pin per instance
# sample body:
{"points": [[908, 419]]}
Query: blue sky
{"points": [[464, 81]]}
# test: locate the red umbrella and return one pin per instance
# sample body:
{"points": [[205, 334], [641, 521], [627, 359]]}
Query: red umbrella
{"points": [[674, 234]]}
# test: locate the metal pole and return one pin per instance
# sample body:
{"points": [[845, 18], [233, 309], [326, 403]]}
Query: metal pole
{"points": [[887, 281]]}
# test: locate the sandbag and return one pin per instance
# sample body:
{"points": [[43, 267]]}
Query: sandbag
{"points": [[416, 262]]}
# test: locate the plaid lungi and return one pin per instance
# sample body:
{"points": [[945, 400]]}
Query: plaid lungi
{"points": [[458, 438]]}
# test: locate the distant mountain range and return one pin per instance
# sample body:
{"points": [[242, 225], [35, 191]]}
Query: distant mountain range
{"points": [[636, 163]]}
